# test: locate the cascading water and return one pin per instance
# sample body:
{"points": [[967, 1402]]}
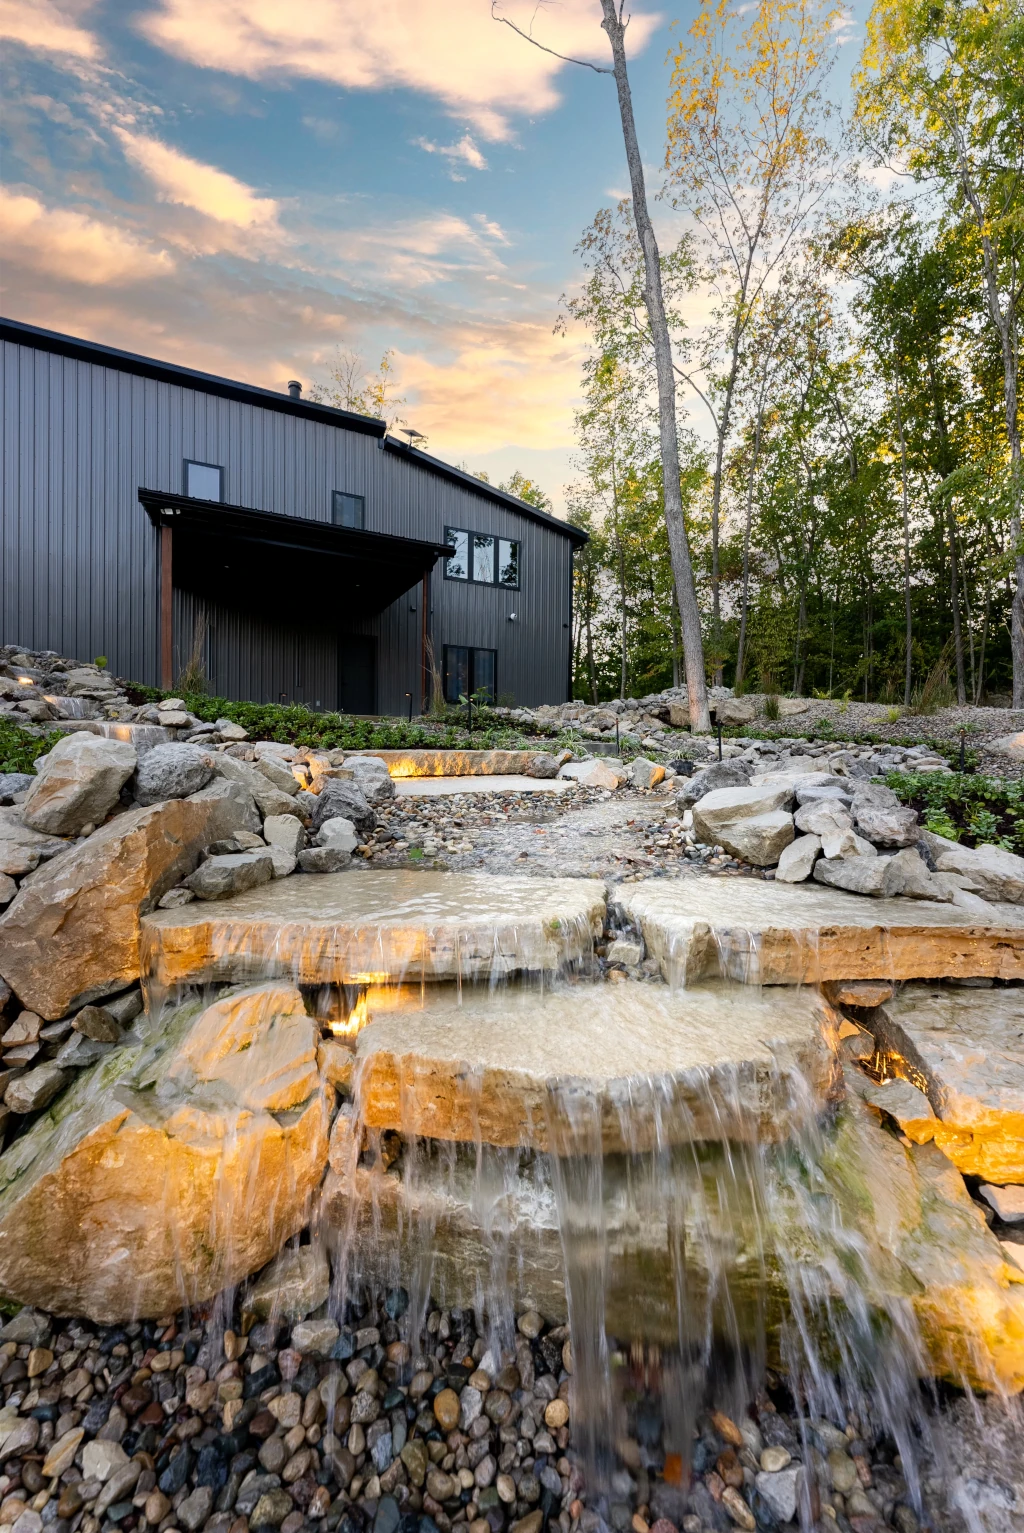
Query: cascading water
{"points": [[693, 1225]]}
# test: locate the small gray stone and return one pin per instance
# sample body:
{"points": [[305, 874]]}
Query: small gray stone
{"points": [[858, 875], [96, 1022], [220, 877], [175, 898], [907, 874], [12, 784], [324, 859], [33, 1090], [284, 831], [781, 1491], [339, 833], [195, 1509], [172, 771], [720, 774], [542, 764], [231, 731], [279, 773], [626, 950]]}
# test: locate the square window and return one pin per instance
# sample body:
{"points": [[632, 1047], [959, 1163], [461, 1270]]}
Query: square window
{"points": [[204, 481], [483, 558], [470, 673], [508, 563], [456, 565], [348, 510]]}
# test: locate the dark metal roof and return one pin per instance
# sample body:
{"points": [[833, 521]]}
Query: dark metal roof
{"points": [[289, 562], [246, 393], [184, 377], [467, 481]]}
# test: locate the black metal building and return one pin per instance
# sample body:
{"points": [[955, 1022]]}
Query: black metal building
{"points": [[302, 552]]}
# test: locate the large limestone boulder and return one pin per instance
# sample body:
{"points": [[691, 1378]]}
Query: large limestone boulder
{"points": [[761, 839], [750, 822], [994, 873], [965, 1051], [1009, 745], [72, 933], [881, 817], [269, 798], [734, 712], [174, 1167], [78, 783]]}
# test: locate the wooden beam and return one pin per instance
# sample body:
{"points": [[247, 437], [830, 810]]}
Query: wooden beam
{"points": [[424, 664], [166, 607]]}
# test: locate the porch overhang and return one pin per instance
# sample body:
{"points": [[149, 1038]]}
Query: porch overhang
{"points": [[299, 568]]}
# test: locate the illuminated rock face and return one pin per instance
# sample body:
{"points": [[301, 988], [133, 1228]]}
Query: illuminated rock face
{"points": [[791, 934], [443, 763], [378, 925], [964, 1049], [71, 934], [645, 1067], [172, 1168]]}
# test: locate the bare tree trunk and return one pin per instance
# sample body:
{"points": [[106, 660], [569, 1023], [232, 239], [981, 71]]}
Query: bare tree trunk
{"points": [[906, 549], [745, 596], [980, 684], [1006, 328], [954, 601], [675, 521]]}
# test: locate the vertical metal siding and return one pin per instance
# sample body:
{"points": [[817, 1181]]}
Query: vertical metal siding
{"points": [[80, 558]]}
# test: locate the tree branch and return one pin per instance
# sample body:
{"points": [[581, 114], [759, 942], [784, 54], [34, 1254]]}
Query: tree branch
{"points": [[583, 63]]}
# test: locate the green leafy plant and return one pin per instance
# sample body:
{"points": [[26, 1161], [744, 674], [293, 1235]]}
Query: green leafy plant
{"points": [[966, 807], [100, 662], [19, 748]]}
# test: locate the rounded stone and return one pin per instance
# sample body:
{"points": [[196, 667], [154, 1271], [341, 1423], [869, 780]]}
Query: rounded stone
{"points": [[774, 1459], [530, 1324], [506, 1489], [556, 1414], [447, 1410]]}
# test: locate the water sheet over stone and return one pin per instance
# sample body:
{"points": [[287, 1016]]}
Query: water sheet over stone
{"points": [[379, 926], [775, 934], [811, 1233], [510, 1068], [179, 1163], [964, 1050]]}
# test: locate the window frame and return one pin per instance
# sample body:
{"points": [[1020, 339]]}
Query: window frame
{"points": [[188, 463], [337, 495], [472, 651], [469, 579]]}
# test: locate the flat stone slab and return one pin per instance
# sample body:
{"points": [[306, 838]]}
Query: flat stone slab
{"points": [[451, 763], [430, 787], [964, 1049], [772, 934], [630, 1066], [377, 926]]}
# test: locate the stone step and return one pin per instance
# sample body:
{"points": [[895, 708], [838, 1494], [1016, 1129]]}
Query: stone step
{"points": [[772, 934], [624, 1066], [372, 926], [964, 1052], [864, 1219], [464, 763]]}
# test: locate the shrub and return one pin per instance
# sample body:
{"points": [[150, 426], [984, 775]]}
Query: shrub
{"points": [[771, 706]]}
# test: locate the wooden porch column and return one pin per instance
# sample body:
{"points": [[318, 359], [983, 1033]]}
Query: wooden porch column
{"points": [[424, 664], [166, 607]]}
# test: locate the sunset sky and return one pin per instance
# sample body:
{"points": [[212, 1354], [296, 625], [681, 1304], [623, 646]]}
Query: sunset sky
{"points": [[243, 185]]}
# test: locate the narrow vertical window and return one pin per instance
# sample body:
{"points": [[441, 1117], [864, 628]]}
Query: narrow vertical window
{"points": [[508, 563], [456, 672], [457, 564], [483, 558], [484, 678]]}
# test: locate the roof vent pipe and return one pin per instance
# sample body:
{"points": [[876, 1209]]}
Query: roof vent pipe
{"points": [[295, 388]]}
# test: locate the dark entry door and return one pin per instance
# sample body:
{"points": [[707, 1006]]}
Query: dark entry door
{"points": [[357, 674]]}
